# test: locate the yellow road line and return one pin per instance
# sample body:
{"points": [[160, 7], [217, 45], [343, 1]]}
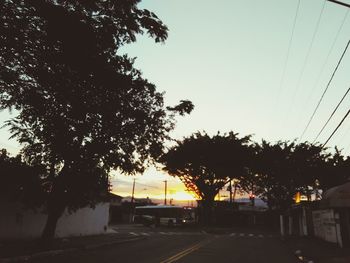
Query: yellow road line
{"points": [[185, 252]]}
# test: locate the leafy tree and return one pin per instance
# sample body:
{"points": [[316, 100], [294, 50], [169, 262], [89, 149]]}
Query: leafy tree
{"points": [[307, 161], [267, 176], [21, 182], [205, 164], [83, 109], [335, 171], [282, 169]]}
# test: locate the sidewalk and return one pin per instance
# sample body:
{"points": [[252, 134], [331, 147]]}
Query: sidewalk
{"points": [[14, 251], [318, 251]]}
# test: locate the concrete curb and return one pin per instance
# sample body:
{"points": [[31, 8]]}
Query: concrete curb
{"points": [[68, 250]]}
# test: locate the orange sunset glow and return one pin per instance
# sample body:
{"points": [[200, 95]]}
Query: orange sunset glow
{"points": [[152, 185]]}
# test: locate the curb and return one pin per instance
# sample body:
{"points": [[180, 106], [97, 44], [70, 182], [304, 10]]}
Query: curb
{"points": [[68, 250]]}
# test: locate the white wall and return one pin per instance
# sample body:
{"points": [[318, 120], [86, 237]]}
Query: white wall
{"points": [[325, 226], [18, 222], [85, 221]]}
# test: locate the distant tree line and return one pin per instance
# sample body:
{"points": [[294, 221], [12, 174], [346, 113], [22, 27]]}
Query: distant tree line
{"points": [[274, 172]]}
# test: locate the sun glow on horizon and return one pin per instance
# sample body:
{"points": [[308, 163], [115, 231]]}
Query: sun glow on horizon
{"points": [[182, 196], [152, 186], [176, 195]]}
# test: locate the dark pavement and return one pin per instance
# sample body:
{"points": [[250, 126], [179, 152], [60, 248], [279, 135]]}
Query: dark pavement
{"points": [[318, 250], [26, 248], [166, 245]]}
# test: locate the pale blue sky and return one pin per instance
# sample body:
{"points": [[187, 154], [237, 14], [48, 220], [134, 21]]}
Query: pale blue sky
{"points": [[228, 56]]}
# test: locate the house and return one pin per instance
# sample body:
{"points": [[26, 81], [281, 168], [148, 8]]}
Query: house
{"points": [[115, 208], [327, 219], [334, 215]]}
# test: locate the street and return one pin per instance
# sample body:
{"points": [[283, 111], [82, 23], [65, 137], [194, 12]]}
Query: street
{"points": [[168, 245]]}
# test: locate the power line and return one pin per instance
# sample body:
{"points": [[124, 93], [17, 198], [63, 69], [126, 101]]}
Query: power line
{"points": [[327, 57], [324, 92], [339, 3], [331, 116], [345, 135], [148, 185], [308, 52], [335, 130], [289, 46], [126, 182], [306, 59], [280, 86]]}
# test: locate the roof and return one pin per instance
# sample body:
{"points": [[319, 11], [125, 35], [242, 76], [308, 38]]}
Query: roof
{"points": [[159, 206], [114, 196], [338, 196]]}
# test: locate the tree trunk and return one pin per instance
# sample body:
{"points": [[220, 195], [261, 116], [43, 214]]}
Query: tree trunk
{"points": [[50, 226], [207, 212], [56, 205], [55, 211]]}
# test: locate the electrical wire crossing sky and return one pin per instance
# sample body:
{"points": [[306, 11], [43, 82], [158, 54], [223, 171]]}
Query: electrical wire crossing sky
{"points": [[253, 67]]}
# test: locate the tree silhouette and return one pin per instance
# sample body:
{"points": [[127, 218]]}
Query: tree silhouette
{"points": [[307, 162], [335, 171], [20, 181], [205, 164], [267, 176], [83, 109], [282, 169]]}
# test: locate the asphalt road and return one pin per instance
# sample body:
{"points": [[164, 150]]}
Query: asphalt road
{"points": [[185, 246]]}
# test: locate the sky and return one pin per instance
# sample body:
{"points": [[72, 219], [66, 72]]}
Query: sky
{"points": [[246, 70]]}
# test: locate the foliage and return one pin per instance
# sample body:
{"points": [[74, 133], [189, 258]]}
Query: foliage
{"points": [[20, 181], [205, 164], [273, 172], [83, 109], [280, 170], [336, 171]]}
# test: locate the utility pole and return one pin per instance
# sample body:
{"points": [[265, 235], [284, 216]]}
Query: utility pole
{"points": [[339, 3], [165, 190], [133, 192], [231, 191], [132, 202], [234, 192]]}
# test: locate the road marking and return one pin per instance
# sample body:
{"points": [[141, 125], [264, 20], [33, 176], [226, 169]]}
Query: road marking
{"points": [[162, 233], [144, 234], [185, 252], [241, 234], [232, 235], [261, 236], [251, 235], [133, 233]]}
